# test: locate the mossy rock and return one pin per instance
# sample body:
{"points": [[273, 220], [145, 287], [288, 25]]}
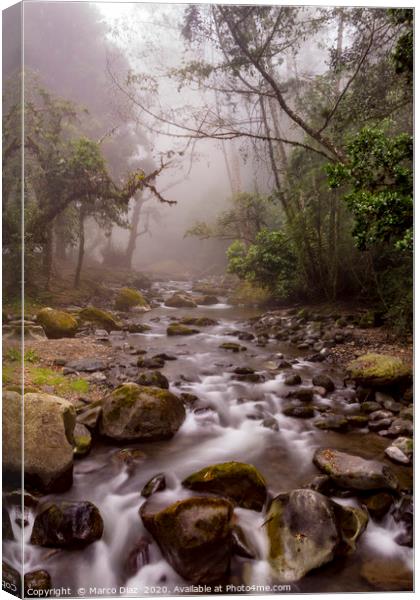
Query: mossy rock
{"points": [[100, 317], [232, 347], [141, 413], [154, 379], [179, 329], [65, 524], [48, 434], [199, 321], [302, 532], [57, 323], [128, 298], [378, 370], [194, 535], [82, 440], [240, 482]]}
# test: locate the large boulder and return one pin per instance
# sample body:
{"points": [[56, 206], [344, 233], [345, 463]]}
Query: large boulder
{"points": [[353, 472], [141, 413], [240, 482], [67, 525], [48, 439], [194, 535], [378, 370], [102, 318], [179, 300], [306, 530], [302, 533], [57, 323], [127, 299]]}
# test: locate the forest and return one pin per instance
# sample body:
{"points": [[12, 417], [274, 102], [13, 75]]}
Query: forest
{"points": [[208, 254]]}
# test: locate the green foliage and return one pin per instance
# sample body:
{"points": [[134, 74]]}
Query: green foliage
{"points": [[403, 54], [270, 261], [379, 174]]}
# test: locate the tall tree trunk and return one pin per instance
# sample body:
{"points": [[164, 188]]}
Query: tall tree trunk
{"points": [[47, 260], [81, 248], [132, 239]]}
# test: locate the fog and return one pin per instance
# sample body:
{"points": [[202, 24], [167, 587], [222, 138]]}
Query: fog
{"points": [[88, 52]]}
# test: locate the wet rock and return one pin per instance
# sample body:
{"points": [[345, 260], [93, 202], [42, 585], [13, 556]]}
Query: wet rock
{"points": [[302, 533], [11, 579], [240, 482], [406, 413], [90, 417], [370, 407], [246, 336], [322, 484], [400, 427], [379, 415], [194, 535], [140, 413], [303, 394], [88, 365], [39, 581], [379, 425], [378, 504], [353, 472], [48, 436], [138, 557], [199, 321], [232, 347], [156, 484], [351, 522], [284, 364], [129, 298], [188, 399], [82, 440], [270, 423], [387, 575], [178, 329], [324, 381], [154, 379], [293, 379], [403, 513], [179, 300], [129, 458], [150, 363], [378, 370], [240, 545], [207, 300], [138, 328], [299, 411], [100, 318], [401, 450], [357, 420], [70, 525], [57, 323], [165, 356], [332, 422], [392, 406]]}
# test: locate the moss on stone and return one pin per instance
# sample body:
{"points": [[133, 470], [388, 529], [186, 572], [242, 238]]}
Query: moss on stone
{"points": [[198, 321], [179, 329], [57, 323], [101, 317], [128, 298], [241, 482], [378, 369]]}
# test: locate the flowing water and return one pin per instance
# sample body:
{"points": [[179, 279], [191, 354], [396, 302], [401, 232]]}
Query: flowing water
{"points": [[226, 424]]}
